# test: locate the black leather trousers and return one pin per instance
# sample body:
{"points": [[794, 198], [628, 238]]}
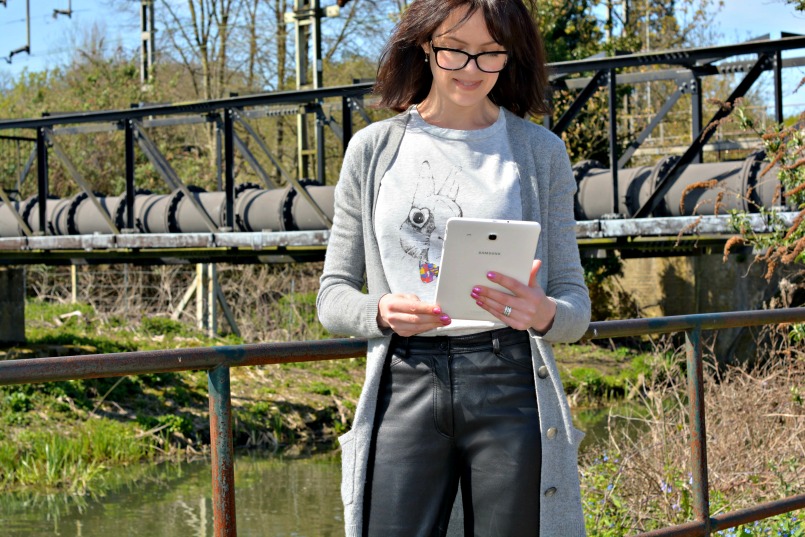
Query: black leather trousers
{"points": [[455, 410]]}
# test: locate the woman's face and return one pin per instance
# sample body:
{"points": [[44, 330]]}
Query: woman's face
{"points": [[468, 87]]}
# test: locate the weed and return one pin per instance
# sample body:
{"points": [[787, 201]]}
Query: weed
{"points": [[72, 459], [321, 388], [163, 325], [641, 482]]}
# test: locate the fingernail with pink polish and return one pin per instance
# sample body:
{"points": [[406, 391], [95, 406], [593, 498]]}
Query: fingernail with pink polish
{"points": [[479, 302], [474, 294], [445, 319], [437, 310], [476, 290], [491, 275]]}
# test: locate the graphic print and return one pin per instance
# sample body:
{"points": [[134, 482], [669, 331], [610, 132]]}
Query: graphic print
{"points": [[422, 233]]}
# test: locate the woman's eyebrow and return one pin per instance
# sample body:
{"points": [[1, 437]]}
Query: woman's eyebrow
{"points": [[460, 42]]}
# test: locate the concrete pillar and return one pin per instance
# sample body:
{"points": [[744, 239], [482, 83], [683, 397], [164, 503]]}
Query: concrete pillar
{"points": [[702, 284], [12, 305]]}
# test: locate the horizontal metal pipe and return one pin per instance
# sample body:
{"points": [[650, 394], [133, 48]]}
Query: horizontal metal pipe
{"points": [[680, 323], [31, 370], [757, 512], [733, 519], [143, 362], [187, 210]]}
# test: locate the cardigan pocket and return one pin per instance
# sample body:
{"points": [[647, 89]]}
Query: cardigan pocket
{"points": [[348, 450], [578, 436]]}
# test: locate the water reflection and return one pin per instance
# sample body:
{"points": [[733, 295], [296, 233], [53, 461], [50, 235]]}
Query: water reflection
{"points": [[598, 423], [275, 496]]}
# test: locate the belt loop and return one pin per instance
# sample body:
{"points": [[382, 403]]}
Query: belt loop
{"points": [[496, 345], [407, 348]]}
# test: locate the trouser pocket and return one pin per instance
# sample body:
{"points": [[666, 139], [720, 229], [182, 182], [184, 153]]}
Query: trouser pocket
{"points": [[518, 355]]}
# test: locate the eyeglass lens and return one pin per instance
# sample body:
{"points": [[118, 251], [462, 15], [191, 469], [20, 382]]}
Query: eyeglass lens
{"points": [[457, 59]]}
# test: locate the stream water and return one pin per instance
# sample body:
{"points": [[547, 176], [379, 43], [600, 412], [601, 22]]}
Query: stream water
{"points": [[276, 497]]}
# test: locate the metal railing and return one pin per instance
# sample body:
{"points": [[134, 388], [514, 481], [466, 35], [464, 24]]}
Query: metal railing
{"points": [[218, 361]]}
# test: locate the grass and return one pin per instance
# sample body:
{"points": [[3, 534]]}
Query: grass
{"points": [[298, 408], [72, 459], [631, 482], [594, 375], [756, 437]]}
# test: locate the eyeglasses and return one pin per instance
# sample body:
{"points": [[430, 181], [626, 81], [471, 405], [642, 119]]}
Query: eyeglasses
{"points": [[451, 59]]}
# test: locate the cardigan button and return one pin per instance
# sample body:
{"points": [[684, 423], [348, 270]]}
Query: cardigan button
{"points": [[551, 433], [550, 492], [542, 372]]}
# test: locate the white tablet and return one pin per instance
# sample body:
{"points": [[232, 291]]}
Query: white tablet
{"points": [[473, 247]]}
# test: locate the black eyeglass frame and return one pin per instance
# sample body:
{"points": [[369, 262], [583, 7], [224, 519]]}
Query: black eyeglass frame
{"points": [[469, 57]]}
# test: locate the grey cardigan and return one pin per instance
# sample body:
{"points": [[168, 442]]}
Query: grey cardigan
{"points": [[346, 308]]}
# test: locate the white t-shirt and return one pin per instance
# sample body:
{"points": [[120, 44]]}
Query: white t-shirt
{"points": [[440, 173]]}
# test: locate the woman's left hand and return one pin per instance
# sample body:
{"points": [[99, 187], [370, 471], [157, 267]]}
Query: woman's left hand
{"points": [[528, 308]]}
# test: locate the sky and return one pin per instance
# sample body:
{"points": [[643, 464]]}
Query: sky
{"points": [[51, 37]]}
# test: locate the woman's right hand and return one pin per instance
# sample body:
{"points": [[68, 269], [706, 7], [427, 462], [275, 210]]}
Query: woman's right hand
{"points": [[407, 315]]}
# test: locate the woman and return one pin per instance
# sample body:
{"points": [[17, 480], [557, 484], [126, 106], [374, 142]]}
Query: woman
{"points": [[449, 404]]}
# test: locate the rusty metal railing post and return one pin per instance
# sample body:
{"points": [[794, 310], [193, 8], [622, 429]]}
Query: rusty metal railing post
{"points": [[698, 431], [222, 451]]}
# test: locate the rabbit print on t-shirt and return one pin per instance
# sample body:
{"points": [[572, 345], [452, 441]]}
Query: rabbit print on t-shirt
{"points": [[422, 233]]}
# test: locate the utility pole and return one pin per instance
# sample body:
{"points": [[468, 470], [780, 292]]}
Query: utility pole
{"points": [[68, 11], [147, 43], [306, 17], [27, 47], [307, 20]]}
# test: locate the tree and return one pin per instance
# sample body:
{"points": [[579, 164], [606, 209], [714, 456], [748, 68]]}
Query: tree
{"points": [[569, 29]]}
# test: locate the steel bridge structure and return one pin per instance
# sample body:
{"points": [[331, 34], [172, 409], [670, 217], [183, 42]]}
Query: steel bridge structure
{"points": [[634, 210]]}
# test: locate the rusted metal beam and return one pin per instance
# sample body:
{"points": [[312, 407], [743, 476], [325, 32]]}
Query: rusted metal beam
{"points": [[251, 240], [698, 430], [681, 323], [222, 453], [732, 519], [143, 362]]}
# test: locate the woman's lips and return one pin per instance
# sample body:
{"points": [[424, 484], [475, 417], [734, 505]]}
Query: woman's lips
{"points": [[467, 84]]}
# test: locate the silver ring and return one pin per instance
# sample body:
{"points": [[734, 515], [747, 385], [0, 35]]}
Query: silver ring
{"points": [[507, 311]]}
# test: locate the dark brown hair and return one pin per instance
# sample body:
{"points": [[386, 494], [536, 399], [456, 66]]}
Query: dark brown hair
{"points": [[403, 77]]}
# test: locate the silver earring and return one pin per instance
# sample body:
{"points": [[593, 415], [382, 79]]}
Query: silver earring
{"points": [[426, 58]]}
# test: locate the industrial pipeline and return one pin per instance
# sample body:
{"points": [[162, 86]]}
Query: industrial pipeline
{"points": [[712, 188], [256, 209]]}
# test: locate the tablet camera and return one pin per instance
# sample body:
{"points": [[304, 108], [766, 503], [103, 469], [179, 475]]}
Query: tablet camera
{"points": [[493, 236]]}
